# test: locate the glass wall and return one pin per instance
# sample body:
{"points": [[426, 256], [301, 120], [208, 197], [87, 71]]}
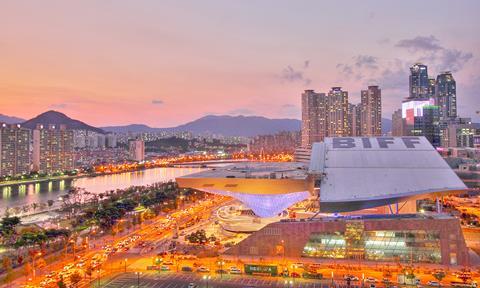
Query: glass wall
{"points": [[392, 246]]}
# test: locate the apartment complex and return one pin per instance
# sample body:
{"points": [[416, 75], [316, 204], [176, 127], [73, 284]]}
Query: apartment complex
{"points": [[14, 150]]}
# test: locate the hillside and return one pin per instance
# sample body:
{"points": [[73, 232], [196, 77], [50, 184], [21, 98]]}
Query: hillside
{"points": [[57, 118]]}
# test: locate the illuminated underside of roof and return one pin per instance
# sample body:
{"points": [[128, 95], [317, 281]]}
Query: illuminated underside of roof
{"points": [[265, 205], [353, 173]]}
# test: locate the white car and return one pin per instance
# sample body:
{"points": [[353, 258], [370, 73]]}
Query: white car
{"points": [[434, 283], [192, 285], [203, 269], [370, 280]]}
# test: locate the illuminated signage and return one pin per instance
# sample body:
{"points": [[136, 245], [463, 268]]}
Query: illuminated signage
{"points": [[365, 143]]}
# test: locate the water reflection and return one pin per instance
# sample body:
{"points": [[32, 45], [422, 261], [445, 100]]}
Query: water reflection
{"points": [[26, 194]]}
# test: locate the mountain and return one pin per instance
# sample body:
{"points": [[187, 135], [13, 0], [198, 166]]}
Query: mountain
{"points": [[246, 126], [137, 128], [10, 119], [239, 125], [386, 125], [57, 118]]}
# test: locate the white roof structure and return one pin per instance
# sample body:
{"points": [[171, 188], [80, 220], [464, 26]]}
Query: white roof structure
{"points": [[359, 173], [354, 173]]}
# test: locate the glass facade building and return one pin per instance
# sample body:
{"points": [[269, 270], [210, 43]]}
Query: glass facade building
{"points": [[416, 246]]}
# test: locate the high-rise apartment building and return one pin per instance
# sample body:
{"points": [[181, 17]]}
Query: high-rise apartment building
{"points": [[281, 142], [418, 82], [354, 119], [397, 123], [371, 111], [337, 116], [137, 150], [431, 87], [459, 132], [53, 149], [428, 125], [314, 117], [446, 96], [14, 150]]}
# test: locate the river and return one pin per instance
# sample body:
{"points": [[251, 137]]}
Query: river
{"points": [[27, 194]]}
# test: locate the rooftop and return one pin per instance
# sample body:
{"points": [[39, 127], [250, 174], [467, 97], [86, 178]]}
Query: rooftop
{"points": [[256, 170]]}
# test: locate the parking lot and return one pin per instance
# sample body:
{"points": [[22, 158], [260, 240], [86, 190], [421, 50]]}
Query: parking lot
{"points": [[181, 280]]}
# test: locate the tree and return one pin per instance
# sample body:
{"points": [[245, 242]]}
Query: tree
{"points": [[7, 265], [75, 278], [60, 283], [439, 275], [7, 227]]}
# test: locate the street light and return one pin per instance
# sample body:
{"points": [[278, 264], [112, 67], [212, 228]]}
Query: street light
{"points": [[98, 277], [221, 267], [126, 265], [138, 278], [33, 263], [73, 247], [206, 278]]}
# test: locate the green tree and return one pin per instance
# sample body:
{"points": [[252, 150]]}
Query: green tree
{"points": [[439, 275], [61, 284], [75, 278]]}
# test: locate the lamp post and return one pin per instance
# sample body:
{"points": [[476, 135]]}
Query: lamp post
{"points": [[138, 278], [206, 278], [73, 247], [33, 263], [126, 265], [98, 277], [221, 267], [332, 278]]}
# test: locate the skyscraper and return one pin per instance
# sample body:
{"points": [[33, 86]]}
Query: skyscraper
{"points": [[418, 82], [337, 115], [371, 111], [14, 150], [431, 87], [53, 149], [428, 125], [354, 119], [446, 96], [314, 117], [397, 123], [137, 150]]}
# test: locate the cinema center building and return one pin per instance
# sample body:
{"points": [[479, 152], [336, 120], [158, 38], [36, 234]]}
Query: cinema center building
{"points": [[347, 175]]}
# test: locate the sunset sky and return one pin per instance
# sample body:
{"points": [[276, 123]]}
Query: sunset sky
{"points": [[163, 63]]}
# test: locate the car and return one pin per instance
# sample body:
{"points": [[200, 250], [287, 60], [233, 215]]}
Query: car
{"points": [[294, 275], [372, 285], [235, 270], [192, 285], [203, 269], [312, 275], [68, 267], [187, 269], [434, 283], [351, 277], [370, 280], [221, 271], [168, 263], [164, 268]]}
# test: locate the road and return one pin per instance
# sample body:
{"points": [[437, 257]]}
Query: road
{"points": [[150, 232]]}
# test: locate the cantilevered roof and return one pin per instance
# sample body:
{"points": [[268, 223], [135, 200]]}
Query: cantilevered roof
{"points": [[359, 173]]}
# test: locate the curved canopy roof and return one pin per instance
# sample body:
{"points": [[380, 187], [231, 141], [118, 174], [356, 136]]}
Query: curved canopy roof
{"points": [[359, 173]]}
